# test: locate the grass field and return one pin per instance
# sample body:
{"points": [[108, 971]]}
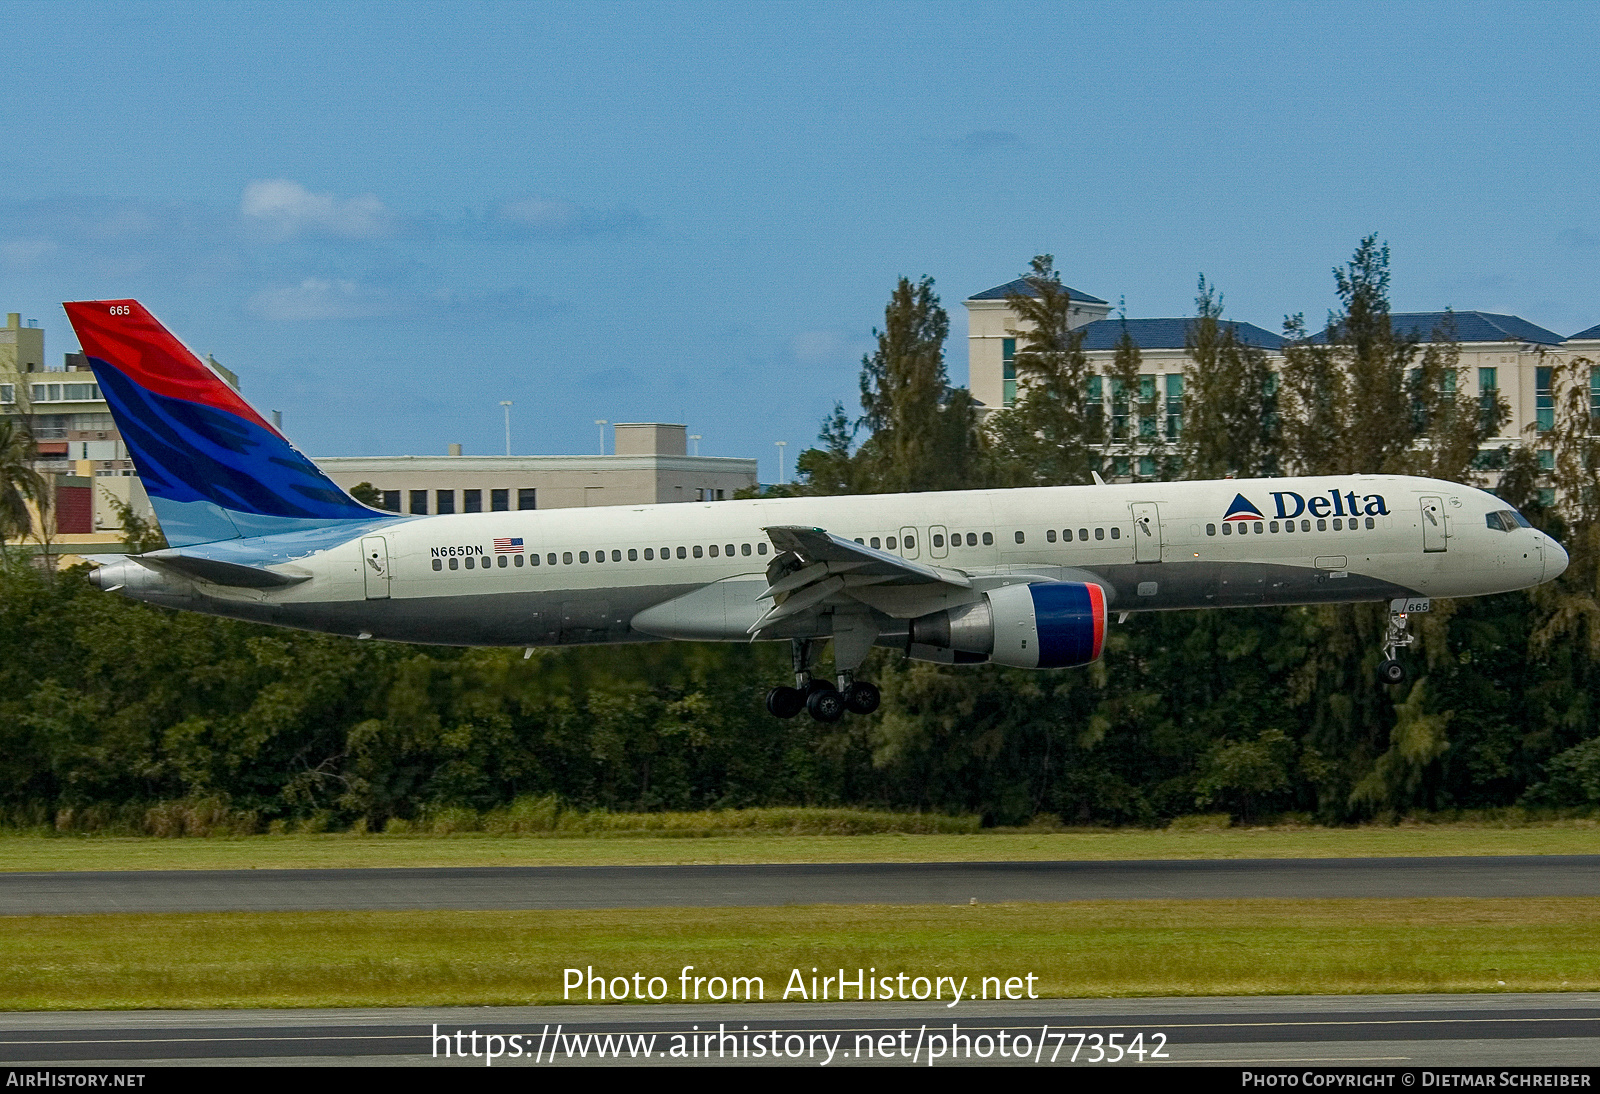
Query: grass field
{"points": [[1079, 949], [36, 853]]}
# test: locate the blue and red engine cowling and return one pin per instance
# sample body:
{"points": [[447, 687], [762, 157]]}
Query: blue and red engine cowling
{"points": [[1045, 625]]}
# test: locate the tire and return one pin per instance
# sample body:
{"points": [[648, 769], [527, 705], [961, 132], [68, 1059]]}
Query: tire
{"points": [[862, 698], [1391, 672], [785, 702], [826, 705], [816, 684]]}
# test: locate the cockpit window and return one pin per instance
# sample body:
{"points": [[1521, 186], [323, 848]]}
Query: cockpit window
{"points": [[1506, 520]]}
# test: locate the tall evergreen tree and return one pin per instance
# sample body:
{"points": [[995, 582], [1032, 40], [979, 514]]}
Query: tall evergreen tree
{"points": [[1055, 433], [922, 432], [1230, 414]]}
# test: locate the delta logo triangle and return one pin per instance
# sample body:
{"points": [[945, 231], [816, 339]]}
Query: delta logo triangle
{"points": [[1241, 509]]}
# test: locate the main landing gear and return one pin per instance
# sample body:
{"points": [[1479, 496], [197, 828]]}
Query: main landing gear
{"points": [[824, 701], [1397, 637]]}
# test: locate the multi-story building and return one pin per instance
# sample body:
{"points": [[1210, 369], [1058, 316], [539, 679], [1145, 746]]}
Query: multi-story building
{"points": [[1499, 353], [650, 465], [77, 446]]}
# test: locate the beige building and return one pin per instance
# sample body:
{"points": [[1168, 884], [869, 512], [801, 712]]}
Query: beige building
{"points": [[651, 465], [76, 443], [1502, 353]]}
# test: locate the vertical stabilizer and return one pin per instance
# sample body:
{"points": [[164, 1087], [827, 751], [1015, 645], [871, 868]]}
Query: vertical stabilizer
{"points": [[213, 467]]}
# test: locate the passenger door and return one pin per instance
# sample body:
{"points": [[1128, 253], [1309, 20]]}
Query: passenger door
{"points": [[1146, 532], [1434, 533], [375, 567]]}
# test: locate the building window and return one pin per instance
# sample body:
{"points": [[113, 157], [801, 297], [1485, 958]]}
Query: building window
{"points": [[8, 393], [1121, 467], [1095, 403], [1147, 467], [1544, 403], [1488, 396], [1119, 410], [499, 500], [445, 501], [527, 498], [419, 501], [1547, 459], [1008, 370], [472, 501], [1147, 408], [1174, 406], [391, 500]]}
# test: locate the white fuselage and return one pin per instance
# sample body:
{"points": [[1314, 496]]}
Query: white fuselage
{"points": [[1153, 546]]}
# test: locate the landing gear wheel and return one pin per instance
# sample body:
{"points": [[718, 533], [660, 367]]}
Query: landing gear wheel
{"points": [[861, 697], [785, 702], [826, 704], [1391, 672]]}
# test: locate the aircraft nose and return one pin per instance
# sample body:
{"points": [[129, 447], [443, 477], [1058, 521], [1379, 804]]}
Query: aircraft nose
{"points": [[1555, 559]]}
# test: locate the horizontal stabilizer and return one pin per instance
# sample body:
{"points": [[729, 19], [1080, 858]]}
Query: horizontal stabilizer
{"points": [[224, 573]]}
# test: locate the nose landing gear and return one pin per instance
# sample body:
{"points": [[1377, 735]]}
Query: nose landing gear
{"points": [[1397, 637], [824, 701]]}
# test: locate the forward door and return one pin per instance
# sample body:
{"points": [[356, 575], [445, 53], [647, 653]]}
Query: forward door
{"points": [[1434, 533]]}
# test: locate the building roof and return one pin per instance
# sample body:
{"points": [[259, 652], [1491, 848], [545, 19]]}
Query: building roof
{"points": [[1023, 287], [1471, 326], [1592, 332], [1166, 333]]}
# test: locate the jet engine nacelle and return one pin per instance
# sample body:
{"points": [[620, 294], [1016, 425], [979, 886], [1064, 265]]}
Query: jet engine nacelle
{"points": [[1045, 625]]}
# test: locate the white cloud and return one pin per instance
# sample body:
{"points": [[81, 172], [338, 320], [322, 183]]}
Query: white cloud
{"points": [[320, 298], [825, 347], [290, 209], [23, 254], [537, 213]]}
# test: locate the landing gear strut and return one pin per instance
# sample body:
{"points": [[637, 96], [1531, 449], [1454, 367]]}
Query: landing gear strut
{"points": [[1396, 638], [824, 701]]}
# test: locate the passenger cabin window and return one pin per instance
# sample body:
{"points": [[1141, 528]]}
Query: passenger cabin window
{"points": [[988, 539], [1020, 537], [938, 540], [1050, 535], [875, 543], [698, 552], [1116, 533], [1211, 529], [1083, 535], [1099, 533]]}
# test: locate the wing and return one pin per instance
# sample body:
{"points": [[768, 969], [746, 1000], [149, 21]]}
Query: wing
{"points": [[813, 565]]}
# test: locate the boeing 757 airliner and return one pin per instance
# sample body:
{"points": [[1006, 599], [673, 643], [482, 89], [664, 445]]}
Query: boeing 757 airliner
{"points": [[1024, 577]]}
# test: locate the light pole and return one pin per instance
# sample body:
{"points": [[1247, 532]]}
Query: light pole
{"points": [[781, 445], [507, 404], [601, 422], [695, 437]]}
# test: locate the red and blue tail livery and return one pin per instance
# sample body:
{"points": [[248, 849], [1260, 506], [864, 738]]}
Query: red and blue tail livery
{"points": [[214, 468]]}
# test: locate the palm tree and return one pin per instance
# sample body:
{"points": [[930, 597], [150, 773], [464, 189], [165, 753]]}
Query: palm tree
{"points": [[19, 482]]}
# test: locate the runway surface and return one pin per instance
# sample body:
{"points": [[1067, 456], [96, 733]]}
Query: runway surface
{"points": [[68, 893], [1369, 1031]]}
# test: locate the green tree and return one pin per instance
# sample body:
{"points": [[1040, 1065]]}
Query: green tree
{"points": [[367, 494], [922, 433], [1055, 433], [20, 484], [1230, 412]]}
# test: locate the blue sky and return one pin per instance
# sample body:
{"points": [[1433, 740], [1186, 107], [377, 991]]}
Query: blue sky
{"points": [[388, 218]]}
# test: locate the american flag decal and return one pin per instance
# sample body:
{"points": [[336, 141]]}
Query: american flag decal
{"points": [[508, 546]]}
